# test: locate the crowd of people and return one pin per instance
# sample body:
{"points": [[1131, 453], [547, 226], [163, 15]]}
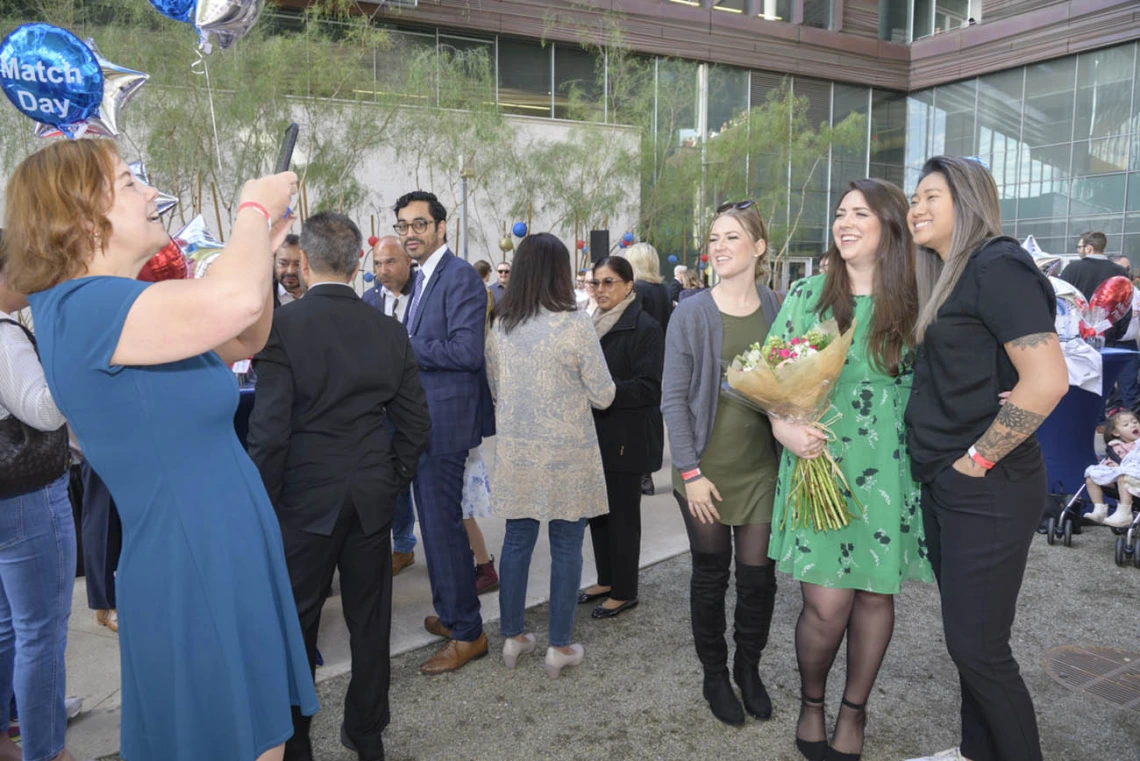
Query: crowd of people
{"points": [[228, 557]]}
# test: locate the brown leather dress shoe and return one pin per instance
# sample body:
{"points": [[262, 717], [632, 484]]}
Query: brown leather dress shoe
{"points": [[454, 655], [401, 560], [436, 627]]}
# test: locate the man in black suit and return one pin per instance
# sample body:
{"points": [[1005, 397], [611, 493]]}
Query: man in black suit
{"points": [[332, 468]]}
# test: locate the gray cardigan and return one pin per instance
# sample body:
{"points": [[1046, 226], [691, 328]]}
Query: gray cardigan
{"points": [[691, 382]]}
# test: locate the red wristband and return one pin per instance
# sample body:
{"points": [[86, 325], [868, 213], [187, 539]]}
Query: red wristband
{"points": [[258, 207], [981, 461], [691, 475]]}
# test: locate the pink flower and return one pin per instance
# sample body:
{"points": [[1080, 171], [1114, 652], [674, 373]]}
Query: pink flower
{"points": [[784, 354]]}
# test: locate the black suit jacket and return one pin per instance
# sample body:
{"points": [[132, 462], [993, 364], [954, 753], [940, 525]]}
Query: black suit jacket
{"points": [[654, 298], [331, 372]]}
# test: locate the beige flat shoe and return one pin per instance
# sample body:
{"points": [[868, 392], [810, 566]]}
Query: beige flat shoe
{"points": [[108, 618]]}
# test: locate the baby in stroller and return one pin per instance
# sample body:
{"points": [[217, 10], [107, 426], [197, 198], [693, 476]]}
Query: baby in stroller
{"points": [[1120, 468]]}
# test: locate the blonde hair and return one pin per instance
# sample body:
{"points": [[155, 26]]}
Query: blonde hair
{"points": [[55, 212], [977, 217], [753, 225], [645, 261]]}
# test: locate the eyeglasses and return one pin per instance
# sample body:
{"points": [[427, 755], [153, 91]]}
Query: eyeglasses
{"points": [[741, 205], [609, 282], [504, 272], [418, 225]]}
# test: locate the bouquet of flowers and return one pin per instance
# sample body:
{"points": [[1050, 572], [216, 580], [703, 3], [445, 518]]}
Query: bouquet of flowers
{"points": [[794, 379]]}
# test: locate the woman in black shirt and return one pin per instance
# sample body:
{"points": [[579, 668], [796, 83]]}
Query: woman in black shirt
{"points": [[985, 326]]}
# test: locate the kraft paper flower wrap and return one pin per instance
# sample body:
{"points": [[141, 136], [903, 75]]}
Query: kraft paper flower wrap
{"points": [[794, 380]]}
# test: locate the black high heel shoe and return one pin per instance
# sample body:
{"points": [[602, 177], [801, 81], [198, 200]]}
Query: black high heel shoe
{"points": [[830, 753], [812, 750]]}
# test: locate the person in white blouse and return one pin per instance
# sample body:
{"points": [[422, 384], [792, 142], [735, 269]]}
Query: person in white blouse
{"points": [[37, 561]]}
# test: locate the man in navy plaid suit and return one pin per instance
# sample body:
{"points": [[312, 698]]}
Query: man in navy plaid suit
{"points": [[445, 320]]}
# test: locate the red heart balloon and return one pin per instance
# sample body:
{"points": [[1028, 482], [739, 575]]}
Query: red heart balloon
{"points": [[373, 240], [168, 264], [1110, 302]]}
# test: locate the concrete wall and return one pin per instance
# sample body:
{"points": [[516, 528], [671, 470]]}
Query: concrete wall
{"points": [[387, 172]]}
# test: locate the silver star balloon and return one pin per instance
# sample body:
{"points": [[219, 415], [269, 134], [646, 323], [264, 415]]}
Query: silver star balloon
{"points": [[120, 85], [198, 244], [226, 21], [163, 202]]}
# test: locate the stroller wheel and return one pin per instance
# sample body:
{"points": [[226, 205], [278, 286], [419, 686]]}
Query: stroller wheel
{"points": [[1051, 531], [1136, 551], [1120, 559], [1067, 528]]}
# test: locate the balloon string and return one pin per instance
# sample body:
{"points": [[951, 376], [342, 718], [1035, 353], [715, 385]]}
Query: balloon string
{"points": [[213, 118]]}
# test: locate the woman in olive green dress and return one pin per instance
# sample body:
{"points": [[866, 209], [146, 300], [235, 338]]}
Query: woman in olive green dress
{"points": [[849, 576], [725, 458]]}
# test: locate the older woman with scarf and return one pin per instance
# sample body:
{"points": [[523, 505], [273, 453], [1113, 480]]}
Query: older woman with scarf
{"points": [[630, 432]]}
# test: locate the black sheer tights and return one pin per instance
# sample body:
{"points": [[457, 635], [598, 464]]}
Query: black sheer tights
{"points": [[868, 620], [751, 541]]}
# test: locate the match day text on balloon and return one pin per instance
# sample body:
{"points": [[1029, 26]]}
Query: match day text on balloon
{"points": [[12, 68]]}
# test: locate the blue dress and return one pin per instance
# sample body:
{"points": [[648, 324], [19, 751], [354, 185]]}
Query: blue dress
{"points": [[211, 648]]}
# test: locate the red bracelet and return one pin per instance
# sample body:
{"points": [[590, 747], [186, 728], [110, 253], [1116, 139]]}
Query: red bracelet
{"points": [[258, 207], [691, 475], [981, 461]]}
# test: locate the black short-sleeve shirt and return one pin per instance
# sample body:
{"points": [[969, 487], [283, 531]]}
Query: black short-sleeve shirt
{"points": [[962, 366]]}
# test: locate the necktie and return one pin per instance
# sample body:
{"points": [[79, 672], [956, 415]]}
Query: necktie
{"points": [[417, 286], [396, 307]]}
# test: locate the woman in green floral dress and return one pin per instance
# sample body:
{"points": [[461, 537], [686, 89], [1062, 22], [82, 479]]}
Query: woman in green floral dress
{"points": [[849, 576]]}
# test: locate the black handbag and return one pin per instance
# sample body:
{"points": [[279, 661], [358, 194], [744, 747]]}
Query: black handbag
{"points": [[30, 459]]}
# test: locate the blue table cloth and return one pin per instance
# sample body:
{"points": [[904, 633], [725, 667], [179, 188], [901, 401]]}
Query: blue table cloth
{"points": [[1068, 435]]}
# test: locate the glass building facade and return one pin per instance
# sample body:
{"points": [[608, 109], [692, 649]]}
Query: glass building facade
{"points": [[1061, 137]]}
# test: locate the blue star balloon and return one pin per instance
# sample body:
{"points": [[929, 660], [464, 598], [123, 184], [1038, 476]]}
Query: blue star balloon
{"points": [[51, 77], [179, 10], [519, 229]]}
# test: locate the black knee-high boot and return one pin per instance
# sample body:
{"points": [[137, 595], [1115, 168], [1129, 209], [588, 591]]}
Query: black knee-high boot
{"points": [[755, 601], [706, 604]]}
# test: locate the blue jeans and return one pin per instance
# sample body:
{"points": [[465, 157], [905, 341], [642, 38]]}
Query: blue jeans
{"points": [[565, 576], [404, 524], [37, 575]]}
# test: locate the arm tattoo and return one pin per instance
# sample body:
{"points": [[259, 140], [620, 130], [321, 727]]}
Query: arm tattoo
{"points": [[1032, 341], [1012, 426]]}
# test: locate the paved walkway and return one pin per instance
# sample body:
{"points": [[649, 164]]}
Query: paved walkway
{"points": [[93, 652], [637, 696]]}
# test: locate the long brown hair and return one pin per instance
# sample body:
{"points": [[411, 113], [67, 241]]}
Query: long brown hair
{"points": [[540, 279], [894, 294], [55, 209], [977, 217]]}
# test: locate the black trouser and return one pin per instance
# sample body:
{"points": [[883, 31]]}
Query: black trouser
{"points": [[365, 564], [978, 532], [102, 540], [617, 536]]}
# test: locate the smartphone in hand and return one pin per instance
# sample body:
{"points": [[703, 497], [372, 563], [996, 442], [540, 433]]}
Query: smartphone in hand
{"points": [[288, 143]]}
